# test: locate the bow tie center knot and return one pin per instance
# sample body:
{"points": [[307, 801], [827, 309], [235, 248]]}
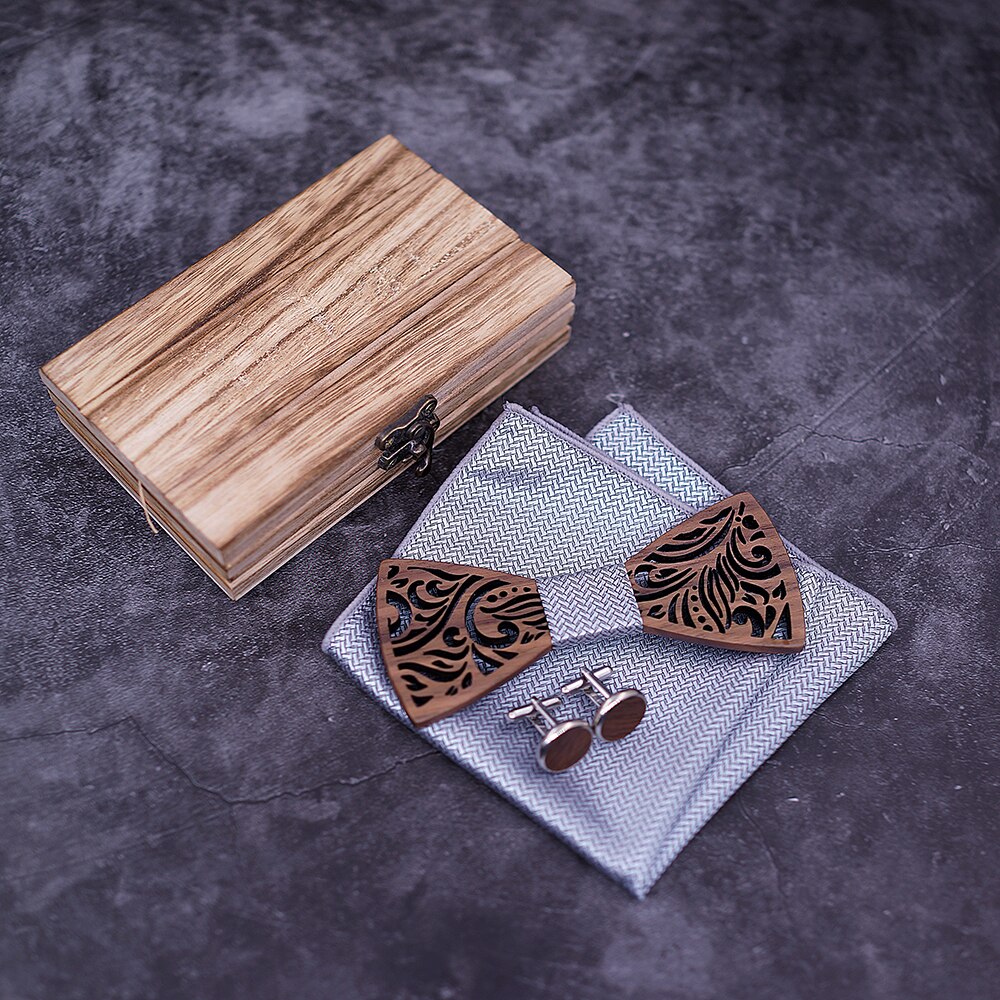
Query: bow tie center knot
{"points": [[596, 602]]}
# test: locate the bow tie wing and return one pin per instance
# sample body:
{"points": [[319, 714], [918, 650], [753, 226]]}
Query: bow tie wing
{"points": [[449, 633], [723, 578]]}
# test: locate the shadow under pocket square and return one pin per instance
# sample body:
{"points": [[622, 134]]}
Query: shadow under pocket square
{"points": [[450, 634]]}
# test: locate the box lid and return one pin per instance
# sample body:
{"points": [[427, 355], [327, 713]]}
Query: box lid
{"points": [[250, 387]]}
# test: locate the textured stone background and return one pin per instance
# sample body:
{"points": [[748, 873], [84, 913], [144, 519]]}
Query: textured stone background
{"points": [[783, 219]]}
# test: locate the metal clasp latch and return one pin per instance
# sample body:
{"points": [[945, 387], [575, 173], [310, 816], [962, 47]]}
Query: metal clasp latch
{"points": [[410, 437]]}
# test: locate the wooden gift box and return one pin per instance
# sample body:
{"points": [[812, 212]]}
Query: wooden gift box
{"points": [[240, 402]]}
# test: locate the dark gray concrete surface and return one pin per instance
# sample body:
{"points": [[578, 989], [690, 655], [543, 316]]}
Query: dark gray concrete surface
{"points": [[783, 219]]}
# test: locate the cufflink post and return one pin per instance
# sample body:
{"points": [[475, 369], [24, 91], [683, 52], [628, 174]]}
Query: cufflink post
{"points": [[618, 713], [563, 744]]}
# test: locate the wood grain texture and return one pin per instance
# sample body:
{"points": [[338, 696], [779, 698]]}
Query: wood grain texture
{"points": [[239, 579], [245, 393], [451, 634], [721, 578]]}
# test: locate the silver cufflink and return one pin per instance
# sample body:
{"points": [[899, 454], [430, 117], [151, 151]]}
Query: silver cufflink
{"points": [[563, 743], [618, 713]]}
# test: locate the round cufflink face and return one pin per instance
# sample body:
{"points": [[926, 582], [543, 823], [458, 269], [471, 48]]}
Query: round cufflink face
{"points": [[619, 715], [564, 745]]}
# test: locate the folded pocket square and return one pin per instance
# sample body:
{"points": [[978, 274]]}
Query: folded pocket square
{"points": [[535, 500]]}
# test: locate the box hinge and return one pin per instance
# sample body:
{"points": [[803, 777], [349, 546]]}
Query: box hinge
{"points": [[410, 438]]}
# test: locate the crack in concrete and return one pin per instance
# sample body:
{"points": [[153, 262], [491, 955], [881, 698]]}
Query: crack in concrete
{"points": [[919, 549], [87, 730], [885, 443], [881, 442], [746, 463], [873, 376], [146, 840], [778, 882], [350, 782]]}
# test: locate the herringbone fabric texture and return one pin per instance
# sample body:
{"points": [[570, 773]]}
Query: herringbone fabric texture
{"points": [[531, 498], [582, 606]]}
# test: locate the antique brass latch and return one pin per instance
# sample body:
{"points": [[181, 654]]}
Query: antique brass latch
{"points": [[411, 437]]}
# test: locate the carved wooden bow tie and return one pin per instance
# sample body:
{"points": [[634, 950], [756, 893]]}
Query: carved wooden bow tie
{"points": [[450, 633]]}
